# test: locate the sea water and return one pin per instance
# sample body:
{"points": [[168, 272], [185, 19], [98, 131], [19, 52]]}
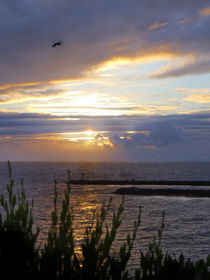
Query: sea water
{"points": [[187, 220]]}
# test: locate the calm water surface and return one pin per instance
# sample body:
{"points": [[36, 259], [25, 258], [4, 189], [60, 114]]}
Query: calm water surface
{"points": [[187, 220]]}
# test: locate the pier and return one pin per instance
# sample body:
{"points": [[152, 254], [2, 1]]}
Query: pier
{"points": [[140, 182]]}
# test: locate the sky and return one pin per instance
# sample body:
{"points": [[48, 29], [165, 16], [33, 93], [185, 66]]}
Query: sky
{"points": [[131, 81]]}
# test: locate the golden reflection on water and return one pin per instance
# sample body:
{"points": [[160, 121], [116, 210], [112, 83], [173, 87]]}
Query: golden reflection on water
{"points": [[84, 213], [83, 202], [87, 199]]}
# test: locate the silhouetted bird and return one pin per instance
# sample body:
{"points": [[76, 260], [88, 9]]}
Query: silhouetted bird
{"points": [[57, 44]]}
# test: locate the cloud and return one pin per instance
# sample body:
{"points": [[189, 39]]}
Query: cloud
{"points": [[92, 34], [157, 25], [179, 67], [166, 133], [45, 123], [175, 137], [205, 11], [193, 90], [154, 137], [73, 98], [185, 20], [16, 93], [196, 95], [161, 133], [198, 98]]}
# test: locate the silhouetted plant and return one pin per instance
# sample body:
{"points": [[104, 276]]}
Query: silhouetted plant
{"points": [[18, 255], [58, 253], [59, 260], [98, 261], [21, 258], [156, 265]]}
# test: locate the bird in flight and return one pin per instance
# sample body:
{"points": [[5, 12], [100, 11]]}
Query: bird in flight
{"points": [[59, 43]]}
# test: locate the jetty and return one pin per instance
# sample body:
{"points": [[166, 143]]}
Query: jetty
{"points": [[140, 182], [163, 192]]}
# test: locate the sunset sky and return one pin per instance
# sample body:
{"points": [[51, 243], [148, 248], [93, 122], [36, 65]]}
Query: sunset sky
{"points": [[131, 82]]}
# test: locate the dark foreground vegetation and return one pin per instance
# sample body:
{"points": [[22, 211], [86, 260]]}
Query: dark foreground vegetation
{"points": [[21, 258]]}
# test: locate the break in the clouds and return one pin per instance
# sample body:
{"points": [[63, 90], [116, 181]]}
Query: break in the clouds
{"points": [[96, 31]]}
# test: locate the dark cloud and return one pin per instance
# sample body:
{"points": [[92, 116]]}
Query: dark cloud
{"points": [[166, 133], [92, 33], [160, 133], [170, 126], [172, 137]]}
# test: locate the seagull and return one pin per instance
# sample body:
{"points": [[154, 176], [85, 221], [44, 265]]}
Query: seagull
{"points": [[57, 44]]}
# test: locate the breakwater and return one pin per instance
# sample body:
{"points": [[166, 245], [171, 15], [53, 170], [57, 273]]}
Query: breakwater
{"points": [[140, 182]]}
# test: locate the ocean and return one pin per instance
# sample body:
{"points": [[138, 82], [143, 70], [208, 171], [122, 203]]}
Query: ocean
{"points": [[187, 220]]}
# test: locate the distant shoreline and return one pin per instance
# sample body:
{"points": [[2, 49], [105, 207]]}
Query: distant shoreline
{"points": [[163, 192], [140, 182]]}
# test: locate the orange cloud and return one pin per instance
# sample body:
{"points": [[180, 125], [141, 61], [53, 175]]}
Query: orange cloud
{"points": [[40, 83], [198, 98], [205, 12], [7, 86], [158, 25], [162, 52], [194, 90]]}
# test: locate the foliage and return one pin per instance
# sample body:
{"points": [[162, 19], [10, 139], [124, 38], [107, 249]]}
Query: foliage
{"points": [[20, 257], [18, 254], [58, 253], [155, 265]]}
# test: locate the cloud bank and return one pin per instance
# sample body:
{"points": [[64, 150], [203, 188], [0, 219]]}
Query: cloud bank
{"points": [[134, 138]]}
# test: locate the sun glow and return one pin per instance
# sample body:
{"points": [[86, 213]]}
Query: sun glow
{"points": [[88, 138], [83, 103], [89, 132]]}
